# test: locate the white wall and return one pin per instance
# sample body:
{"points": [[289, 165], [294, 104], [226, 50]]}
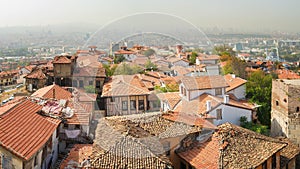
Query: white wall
{"points": [[231, 114], [239, 92], [181, 63], [213, 69]]}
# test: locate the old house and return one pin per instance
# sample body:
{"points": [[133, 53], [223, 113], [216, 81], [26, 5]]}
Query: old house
{"points": [[235, 147], [8, 78], [192, 87], [27, 139], [285, 119], [125, 94], [237, 86], [36, 79], [211, 63], [140, 140], [63, 66]]}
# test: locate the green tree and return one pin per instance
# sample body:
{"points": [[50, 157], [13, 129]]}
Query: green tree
{"points": [[168, 88], [258, 128], [150, 65], [193, 57], [109, 70], [119, 59], [258, 90], [89, 89], [149, 52], [126, 69]]}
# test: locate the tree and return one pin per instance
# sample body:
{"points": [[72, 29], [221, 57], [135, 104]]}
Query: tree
{"points": [[150, 65], [126, 69], [109, 69], [258, 90], [119, 59], [167, 88], [193, 57], [89, 89], [258, 128], [149, 52]]}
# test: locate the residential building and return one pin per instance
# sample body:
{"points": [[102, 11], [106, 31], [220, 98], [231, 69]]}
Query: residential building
{"points": [[237, 86], [63, 69], [192, 87], [285, 119], [125, 94], [27, 139], [36, 79], [139, 139], [235, 147]]}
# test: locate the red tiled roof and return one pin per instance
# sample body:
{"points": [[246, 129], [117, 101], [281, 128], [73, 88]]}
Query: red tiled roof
{"points": [[204, 82], [208, 57], [232, 147], [23, 131], [189, 118], [53, 91], [124, 85], [61, 60], [36, 74], [287, 74], [233, 82], [172, 98], [77, 154]]}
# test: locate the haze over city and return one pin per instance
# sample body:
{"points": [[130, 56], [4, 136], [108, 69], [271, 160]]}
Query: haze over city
{"points": [[236, 15]]}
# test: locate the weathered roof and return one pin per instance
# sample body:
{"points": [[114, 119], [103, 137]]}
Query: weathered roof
{"points": [[23, 131], [289, 152], [36, 73], [232, 147], [124, 85], [53, 91], [204, 82], [172, 98], [233, 82], [198, 105], [61, 60]]}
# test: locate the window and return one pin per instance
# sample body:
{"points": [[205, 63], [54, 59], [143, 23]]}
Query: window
{"points": [[297, 109], [124, 105], [98, 83], [167, 147], [285, 100], [274, 160], [77, 126], [90, 82], [184, 92], [75, 83], [132, 104], [277, 103], [219, 114], [182, 165], [80, 83], [65, 125], [141, 105], [36, 159], [218, 91], [264, 165]]}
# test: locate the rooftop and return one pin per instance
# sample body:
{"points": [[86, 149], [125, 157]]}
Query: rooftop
{"points": [[233, 82], [23, 131], [232, 147], [53, 91], [204, 82]]}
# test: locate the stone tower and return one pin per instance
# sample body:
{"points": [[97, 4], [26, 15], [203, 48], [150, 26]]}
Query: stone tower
{"points": [[285, 113]]}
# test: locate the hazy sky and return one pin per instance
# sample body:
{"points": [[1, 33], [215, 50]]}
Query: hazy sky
{"points": [[239, 14]]}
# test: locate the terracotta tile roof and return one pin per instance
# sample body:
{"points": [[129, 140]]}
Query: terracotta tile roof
{"points": [[155, 74], [155, 81], [189, 118], [175, 59], [30, 67], [233, 82], [124, 85], [53, 91], [88, 71], [288, 153], [232, 147], [198, 105], [172, 98], [37, 73], [77, 155], [7, 106], [82, 112], [23, 131], [124, 52], [128, 153], [61, 60], [204, 82], [287, 74], [208, 57]]}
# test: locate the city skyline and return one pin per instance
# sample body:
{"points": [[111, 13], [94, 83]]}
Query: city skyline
{"points": [[255, 16]]}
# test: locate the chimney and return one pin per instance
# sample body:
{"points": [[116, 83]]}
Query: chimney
{"points": [[233, 76], [208, 105], [226, 99]]}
